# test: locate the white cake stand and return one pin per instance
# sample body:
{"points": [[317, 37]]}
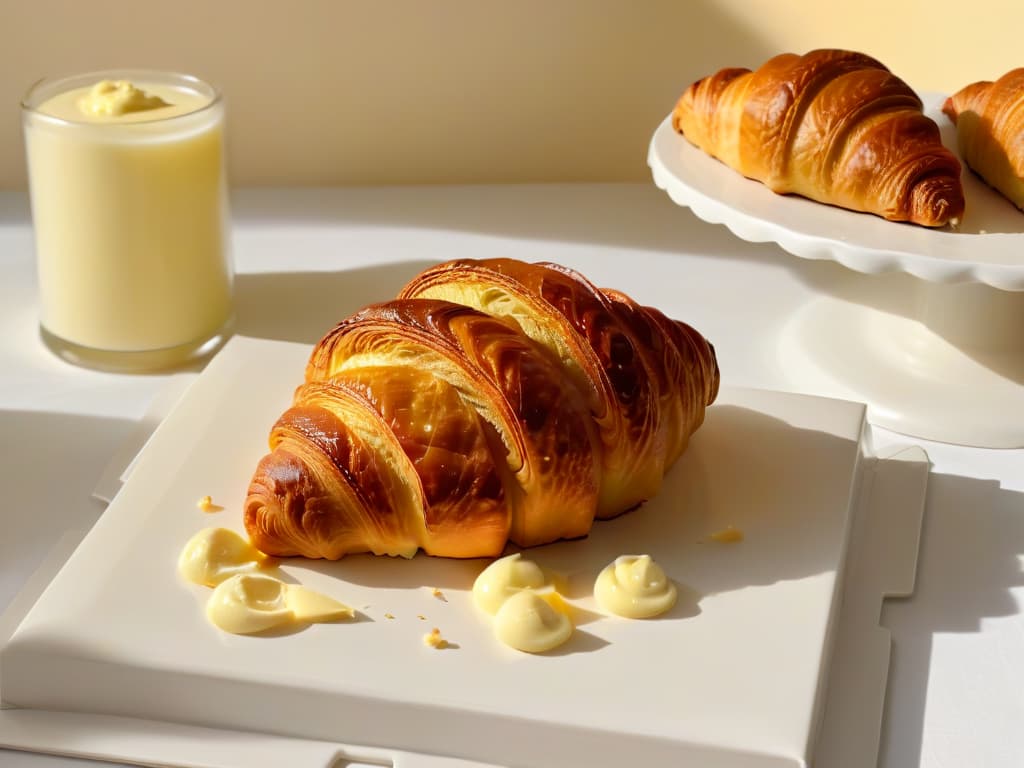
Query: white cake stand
{"points": [[950, 367]]}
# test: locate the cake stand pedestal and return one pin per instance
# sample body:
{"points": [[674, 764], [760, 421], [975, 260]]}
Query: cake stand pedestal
{"points": [[954, 374]]}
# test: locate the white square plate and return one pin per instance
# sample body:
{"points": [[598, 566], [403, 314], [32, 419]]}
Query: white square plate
{"points": [[733, 676]]}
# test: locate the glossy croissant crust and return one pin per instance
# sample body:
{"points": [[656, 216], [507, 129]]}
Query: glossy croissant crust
{"points": [[493, 401], [834, 126], [989, 119]]}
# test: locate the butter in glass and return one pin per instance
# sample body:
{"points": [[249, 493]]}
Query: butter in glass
{"points": [[130, 212]]}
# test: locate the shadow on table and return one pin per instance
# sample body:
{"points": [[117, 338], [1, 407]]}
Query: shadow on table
{"points": [[303, 306], [633, 216], [51, 462], [612, 217], [971, 548]]}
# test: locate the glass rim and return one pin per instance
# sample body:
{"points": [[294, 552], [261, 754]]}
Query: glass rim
{"points": [[28, 105]]}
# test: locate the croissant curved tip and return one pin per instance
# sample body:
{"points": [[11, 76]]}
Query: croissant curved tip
{"points": [[937, 201]]}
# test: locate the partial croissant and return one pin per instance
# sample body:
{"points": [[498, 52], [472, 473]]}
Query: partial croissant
{"points": [[833, 126], [493, 401], [989, 119]]}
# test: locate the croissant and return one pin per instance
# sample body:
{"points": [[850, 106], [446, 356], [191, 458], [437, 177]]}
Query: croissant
{"points": [[833, 126], [989, 119], [492, 401]]}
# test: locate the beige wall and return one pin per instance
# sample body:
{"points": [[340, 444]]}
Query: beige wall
{"points": [[414, 91]]}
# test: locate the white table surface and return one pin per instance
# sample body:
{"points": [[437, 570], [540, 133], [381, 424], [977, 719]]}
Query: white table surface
{"points": [[956, 691]]}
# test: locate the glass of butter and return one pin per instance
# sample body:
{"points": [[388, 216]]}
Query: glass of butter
{"points": [[130, 213]]}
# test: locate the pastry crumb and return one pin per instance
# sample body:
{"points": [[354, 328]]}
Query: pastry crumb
{"points": [[206, 504], [438, 594], [728, 535], [389, 615], [421, 617], [434, 640]]}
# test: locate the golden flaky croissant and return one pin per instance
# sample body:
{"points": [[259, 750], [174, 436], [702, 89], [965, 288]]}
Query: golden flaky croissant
{"points": [[834, 126], [989, 119], [493, 401]]}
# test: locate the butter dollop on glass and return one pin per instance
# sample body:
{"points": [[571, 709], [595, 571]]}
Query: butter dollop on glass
{"points": [[112, 98], [634, 587]]}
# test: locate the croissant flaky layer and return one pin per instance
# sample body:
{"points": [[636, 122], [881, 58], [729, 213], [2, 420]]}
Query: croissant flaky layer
{"points": [[832, 125], [493, 401], [989, 119]]}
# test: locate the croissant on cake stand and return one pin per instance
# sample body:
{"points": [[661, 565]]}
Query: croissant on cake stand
{"points": [[492, 401], [834, 126], [989, 120]]}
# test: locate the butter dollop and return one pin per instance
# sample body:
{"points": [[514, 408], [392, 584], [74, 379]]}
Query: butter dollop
{"points": [[254, 602], [215, 554], [634, 587], [245, 599], [111, 98], [504, 578], [529, 613], [533, 622]]}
